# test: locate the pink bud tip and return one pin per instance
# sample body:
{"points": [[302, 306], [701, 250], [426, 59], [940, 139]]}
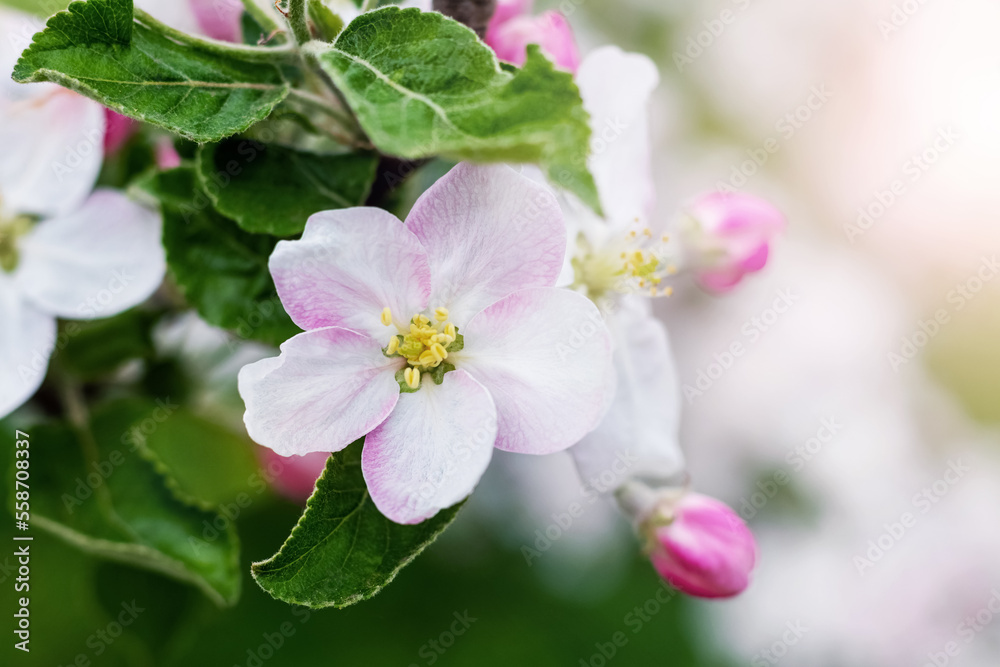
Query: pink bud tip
{"points": [[166, 155], [118, 130], [506, 10], [706, 550], [731, 237], [294, 477], [549, 30]]}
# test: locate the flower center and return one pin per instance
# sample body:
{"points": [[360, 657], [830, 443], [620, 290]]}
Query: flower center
{"points": [[425, 345], [10, 232], [633, 264]]}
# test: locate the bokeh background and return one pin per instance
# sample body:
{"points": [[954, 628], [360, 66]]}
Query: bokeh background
{"points": [[875, 125]]}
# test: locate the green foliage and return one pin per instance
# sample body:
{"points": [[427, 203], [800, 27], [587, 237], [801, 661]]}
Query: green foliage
{"points": [[221, 269], [115, 503], [343, 550], [96, 49], [273, 189], [96, 348], [423, 85]]}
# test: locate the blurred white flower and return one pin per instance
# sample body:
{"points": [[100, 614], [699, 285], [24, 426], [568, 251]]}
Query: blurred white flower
{"points": [[64, 251]]}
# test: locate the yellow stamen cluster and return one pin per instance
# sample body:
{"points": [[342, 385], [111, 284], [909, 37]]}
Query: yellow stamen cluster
{"points": [[423, 344]]}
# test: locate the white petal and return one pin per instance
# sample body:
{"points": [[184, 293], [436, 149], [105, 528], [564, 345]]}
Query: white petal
{"points": [[616, 87], [348, 266], [53, 146], [488, 231], [544, 354], [431, 451], [100, 260], [639, 435], [325, 390], [27, 338], [16, 32]]}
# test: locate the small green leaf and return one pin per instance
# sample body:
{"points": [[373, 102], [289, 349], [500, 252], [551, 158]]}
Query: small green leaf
{"points": [[343, 550], [422, 85], [96, 49], [267, 188], [221, 269], [327, 23], [116, 505]]}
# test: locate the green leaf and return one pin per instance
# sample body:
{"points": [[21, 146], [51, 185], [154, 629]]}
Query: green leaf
{"points": [[343, 550], [327, 23], [96, 348], [96, 49], [221, 269], [114, 503], [422, 84], [267, 188]]}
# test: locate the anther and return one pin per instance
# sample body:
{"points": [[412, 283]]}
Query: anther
{"points": [[386, 316]]}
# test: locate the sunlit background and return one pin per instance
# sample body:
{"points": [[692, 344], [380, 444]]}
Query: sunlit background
{"points": [[868, 390]]}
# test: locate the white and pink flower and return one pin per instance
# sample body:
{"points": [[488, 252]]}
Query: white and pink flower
{"points": [[436, 340], [65, 252]]}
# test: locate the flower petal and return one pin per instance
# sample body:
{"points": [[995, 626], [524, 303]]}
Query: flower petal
{"points": [[53, 144], [616, 87], [348, 266], [100, 260], [488, 231], [544, 354], [431, 451], [639, 435], [27, 339], [325, 390]]}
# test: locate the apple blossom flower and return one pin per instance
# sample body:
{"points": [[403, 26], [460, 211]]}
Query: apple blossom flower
{"points": [[696, 543], [436, 340], [64, 251], [723, 237], [728, 235], [513, 27], [118, 130]]}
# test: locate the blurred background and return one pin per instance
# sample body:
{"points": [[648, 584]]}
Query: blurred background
{"points": [[868, 390]]}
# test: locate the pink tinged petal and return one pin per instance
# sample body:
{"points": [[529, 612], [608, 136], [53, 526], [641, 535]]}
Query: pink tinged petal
{"points": [[544, 354], [707, 551], [616, 87], [98, 261], [27, 338], [488, 231], [730, 237], [549, 30], [325, 390], [431, 451], [119, 129], [294, 477], [53, 147], [218, 19], [639, 435], [349, 265]]}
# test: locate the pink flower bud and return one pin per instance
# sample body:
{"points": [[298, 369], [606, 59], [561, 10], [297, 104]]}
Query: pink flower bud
{"points": [[294, 477], [729, 236], [550, 30], [118, 130], [701, 547]]}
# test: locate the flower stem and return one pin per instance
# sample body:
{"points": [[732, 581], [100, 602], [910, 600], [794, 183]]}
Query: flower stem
{"points": [[298, 21], [252, 54]]}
